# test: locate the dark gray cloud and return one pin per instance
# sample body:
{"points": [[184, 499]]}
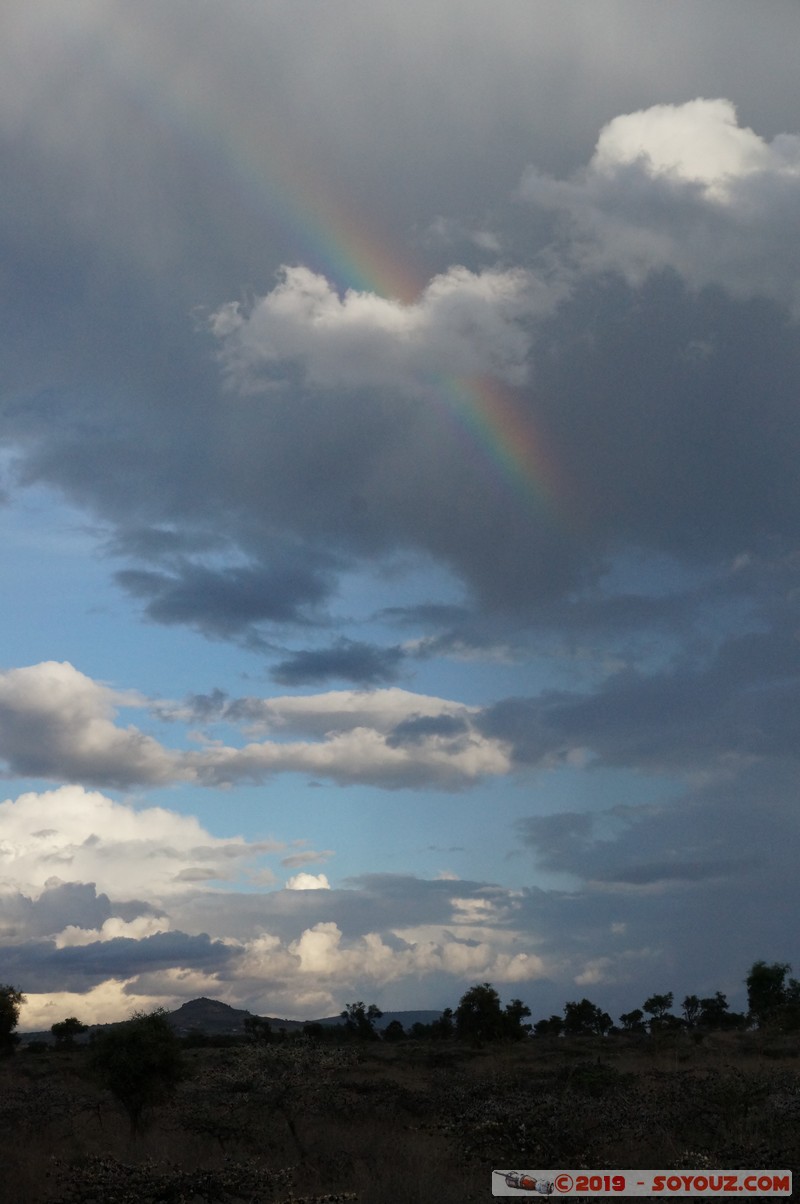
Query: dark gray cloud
{"points": [[743, 701], [739, 828], [669, 413], [421, 727], [684, 455], [645, 846], [159, 544], [346, 660], [229, 602], [433, 615], [63, 905], [44, 967]]}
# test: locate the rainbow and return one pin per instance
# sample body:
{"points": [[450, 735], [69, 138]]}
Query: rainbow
{"points": [[270, 179], [492, 414]]}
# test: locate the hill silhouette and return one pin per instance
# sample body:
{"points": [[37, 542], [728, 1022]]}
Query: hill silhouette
{"points": [[217, 1019]]}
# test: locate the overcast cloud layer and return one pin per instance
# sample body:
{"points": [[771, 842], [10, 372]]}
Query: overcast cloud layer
{"points": [[399, 452]]}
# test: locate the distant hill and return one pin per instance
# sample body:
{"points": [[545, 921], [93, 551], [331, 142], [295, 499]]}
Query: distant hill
{"points": [[218, 1019], [209, 1016]]}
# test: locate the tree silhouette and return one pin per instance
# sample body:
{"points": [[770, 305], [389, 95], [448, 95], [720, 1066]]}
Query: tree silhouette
{"points": [[766, 991], [479, 1017], [549, 1028], [633, 1022], [10, 1001], [66, 1031], [657, 1006], [140, 1062], [771, 1000], [584, 1018], [514, 1016], [443, 1028], [691, 1010], [394, 1031], [359, 1020], [714, 1012]]}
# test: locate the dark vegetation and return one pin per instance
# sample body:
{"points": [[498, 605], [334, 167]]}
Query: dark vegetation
{"points": [[140, 1115]]}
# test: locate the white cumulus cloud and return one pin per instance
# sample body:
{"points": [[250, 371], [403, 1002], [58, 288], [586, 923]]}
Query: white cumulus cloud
{"points": [[463, 324], [71, 834], [687, 187], [304, 881]]}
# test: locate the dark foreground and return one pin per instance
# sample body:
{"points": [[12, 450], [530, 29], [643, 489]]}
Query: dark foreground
{"points": [[406, 1123]]}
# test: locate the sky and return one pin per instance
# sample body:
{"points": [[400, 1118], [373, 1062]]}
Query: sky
{"points": [[399, 436]]}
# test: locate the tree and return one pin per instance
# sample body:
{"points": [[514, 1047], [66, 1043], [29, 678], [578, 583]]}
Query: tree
{"points": [[657, 1008], [394, 1031], [66, 1031], [549, 1028], [443, 1028], [584, 1018], [479, 1017], [713, 1012], [10, 1001], [633, 1022], [691, 1010], [767, 992], [791, 1006], [514, 1015], [140, 1062], [258, 1029], [359, 1020]]}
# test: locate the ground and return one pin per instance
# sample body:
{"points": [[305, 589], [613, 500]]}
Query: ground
{"points": [[408, 1123]]}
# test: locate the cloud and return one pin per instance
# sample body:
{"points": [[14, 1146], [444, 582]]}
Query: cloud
{"points": [[419, 727], [463, 324], [56, 722], [340, 710], [723, 829], [352, 660], [302, 952], [449, 232], [113, 929], [83, 836], [283, 960], [229, 602], [355, 741], [740, 703], [700, 142], [104, 1003], [353, 446], [684, 186], [47, 966], [306, 857], [360, 756], [305, 881]]}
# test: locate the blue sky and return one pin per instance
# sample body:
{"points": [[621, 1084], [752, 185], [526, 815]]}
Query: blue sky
{"points": [[400, 505]]}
